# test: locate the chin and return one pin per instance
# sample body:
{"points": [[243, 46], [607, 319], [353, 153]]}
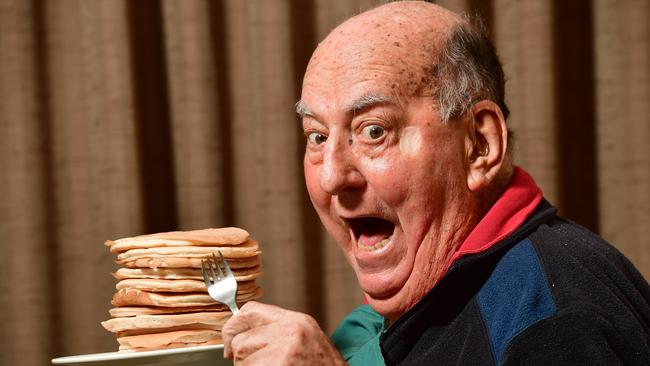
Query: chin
{"points": [[390, 308], [390, 296], [395, 293]]}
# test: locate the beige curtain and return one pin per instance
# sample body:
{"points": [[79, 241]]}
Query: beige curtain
{"points": [[125, 117]]}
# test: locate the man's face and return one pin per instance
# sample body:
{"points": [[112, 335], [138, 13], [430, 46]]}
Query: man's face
{"points": [[385, 175]]}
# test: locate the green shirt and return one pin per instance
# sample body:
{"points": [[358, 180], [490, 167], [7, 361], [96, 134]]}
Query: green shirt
{"points": [[357, 337]]}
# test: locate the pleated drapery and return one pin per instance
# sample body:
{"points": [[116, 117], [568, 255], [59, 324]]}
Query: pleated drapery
{"points": [[120, 117]]}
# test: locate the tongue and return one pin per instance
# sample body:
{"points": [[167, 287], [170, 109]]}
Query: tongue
{"points": [[369, 240], [372, 231]]}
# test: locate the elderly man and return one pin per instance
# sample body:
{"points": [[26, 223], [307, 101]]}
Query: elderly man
{"points": [[460, 258]]}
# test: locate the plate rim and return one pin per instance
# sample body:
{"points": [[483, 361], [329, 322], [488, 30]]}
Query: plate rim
{"points": [[114, 356]]}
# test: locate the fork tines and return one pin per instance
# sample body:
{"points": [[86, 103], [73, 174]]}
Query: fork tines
{"points": [[213, 263], [221, 285]]}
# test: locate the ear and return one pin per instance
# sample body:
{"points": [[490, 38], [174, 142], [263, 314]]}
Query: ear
{"points": [[486, 144]]}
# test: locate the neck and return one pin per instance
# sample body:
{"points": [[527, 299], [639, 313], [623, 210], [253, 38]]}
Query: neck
{"points": [[480, 204], [489, 195]]}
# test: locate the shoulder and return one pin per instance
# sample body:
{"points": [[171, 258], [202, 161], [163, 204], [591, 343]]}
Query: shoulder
{"points": [[581, 267], [564, 280], [578, 336]]}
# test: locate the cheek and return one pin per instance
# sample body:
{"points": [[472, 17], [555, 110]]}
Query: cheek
{"points": [[410, 141], [376, 167], [311, 180], [388, 177], [407, 181], [392, 173]]}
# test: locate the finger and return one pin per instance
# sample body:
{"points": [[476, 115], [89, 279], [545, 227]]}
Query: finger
{"points": [[264, 313], [246, 343], [276, 356], [235, 325], [288, 340], [252, 314], [262, 357]]}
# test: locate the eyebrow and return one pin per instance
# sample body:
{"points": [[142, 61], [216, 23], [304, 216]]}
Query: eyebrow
{"points": [[359, 105], [303, 110], [367, 101]]}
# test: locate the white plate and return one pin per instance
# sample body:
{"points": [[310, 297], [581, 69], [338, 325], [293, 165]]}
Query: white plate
{"points": [[195, 356]]}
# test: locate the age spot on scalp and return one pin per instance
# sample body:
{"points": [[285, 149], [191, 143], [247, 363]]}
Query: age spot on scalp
{"points": [[410, 141]]}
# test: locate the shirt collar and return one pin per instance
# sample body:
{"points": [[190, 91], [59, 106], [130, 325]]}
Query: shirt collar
{"points": [[507, 214]]}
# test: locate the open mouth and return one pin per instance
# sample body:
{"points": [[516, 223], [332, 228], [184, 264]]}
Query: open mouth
{"points": [[371, 233]]}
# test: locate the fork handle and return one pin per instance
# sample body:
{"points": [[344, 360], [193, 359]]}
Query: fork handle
{"points": [[233, 308]]}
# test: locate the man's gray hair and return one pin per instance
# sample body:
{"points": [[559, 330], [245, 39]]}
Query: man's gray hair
{"points": [[467, 71]]}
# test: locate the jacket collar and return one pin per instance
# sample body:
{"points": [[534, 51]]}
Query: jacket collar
{"points": [[507, 214]]}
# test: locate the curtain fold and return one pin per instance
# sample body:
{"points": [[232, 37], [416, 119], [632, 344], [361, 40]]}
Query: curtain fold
{"points": [[196, 114], [622, 74], [526, 51], [119, 118], [24, 208]]}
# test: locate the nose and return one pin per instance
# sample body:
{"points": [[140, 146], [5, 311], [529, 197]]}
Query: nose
{"points": [[339, 171]]}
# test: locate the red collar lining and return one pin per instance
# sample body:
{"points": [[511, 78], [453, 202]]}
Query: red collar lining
{"points": [[507, 214]]}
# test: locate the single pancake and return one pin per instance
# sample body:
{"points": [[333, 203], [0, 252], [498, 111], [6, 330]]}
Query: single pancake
{"points": [[156, 285], [204, 237], [181, 338], [241, 274], [182, 262], [145, 322], [133, 297]]}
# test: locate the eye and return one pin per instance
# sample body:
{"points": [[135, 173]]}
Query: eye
{"points": [[374, 132], [316, 138]]}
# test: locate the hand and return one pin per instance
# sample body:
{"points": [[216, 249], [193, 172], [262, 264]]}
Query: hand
{"points": [[265, 334]]}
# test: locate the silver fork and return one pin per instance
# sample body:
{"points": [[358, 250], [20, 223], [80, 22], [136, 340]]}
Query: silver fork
{"points": [[222, 288]]}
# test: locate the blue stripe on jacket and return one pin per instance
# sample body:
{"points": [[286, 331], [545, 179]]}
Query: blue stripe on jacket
{"points": [[516, 296]]}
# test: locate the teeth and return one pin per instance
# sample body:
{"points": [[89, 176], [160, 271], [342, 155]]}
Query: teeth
{"points": [[382, 243], [370, 248]]}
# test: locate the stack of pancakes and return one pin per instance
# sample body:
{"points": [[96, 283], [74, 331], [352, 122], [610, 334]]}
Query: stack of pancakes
{"points": [[161, 300]]}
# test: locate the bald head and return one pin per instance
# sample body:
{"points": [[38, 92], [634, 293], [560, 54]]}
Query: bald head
{"points": [[435, 51], [407, 33]]}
